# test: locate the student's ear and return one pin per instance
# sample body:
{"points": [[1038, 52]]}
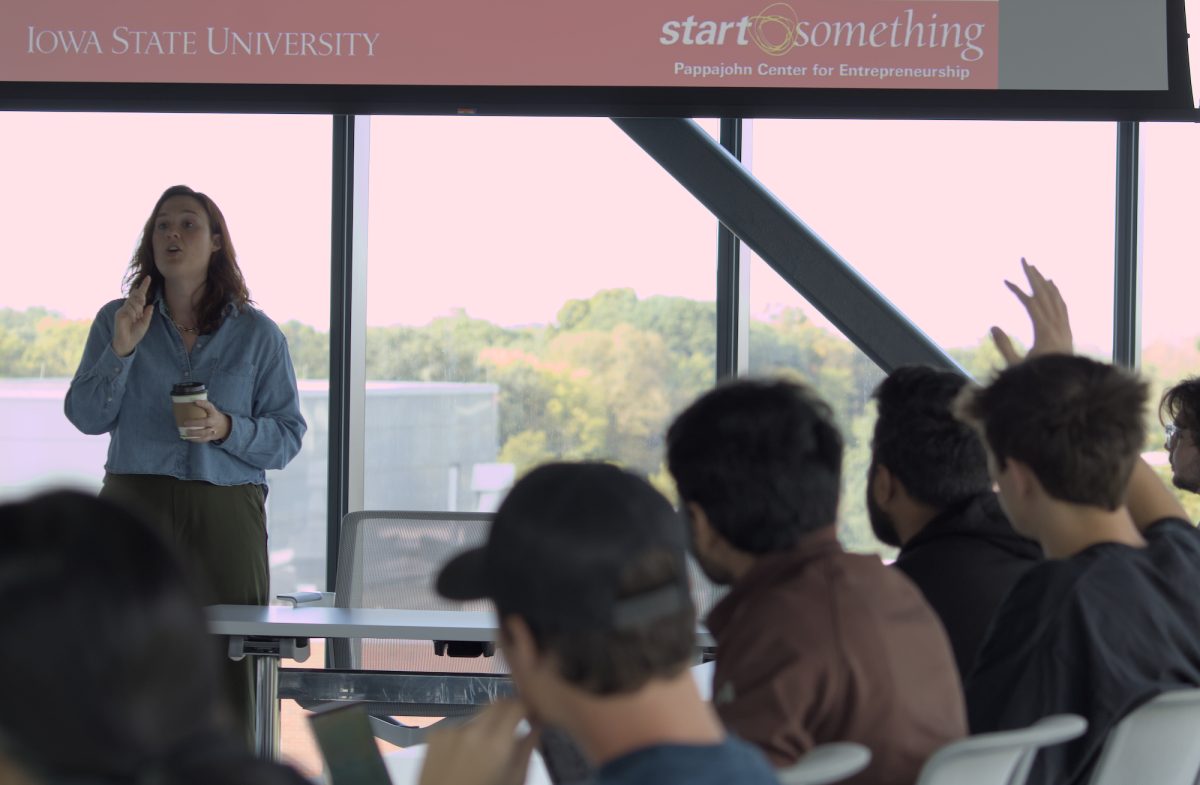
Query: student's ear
{"points": [[884, 485], [216, 242], [1021, 479], [703, 533], [520, 649]]}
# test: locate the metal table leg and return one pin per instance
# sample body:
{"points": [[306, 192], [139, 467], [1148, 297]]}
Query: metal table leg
{"points": [[267, 653], [266, 707]]}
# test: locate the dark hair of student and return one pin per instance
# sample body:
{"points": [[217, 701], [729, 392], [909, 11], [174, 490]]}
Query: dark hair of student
{"points": [[225, 283], [762, 458], [1078, 424], [108, 673], [939, 459], [1180, 405]]}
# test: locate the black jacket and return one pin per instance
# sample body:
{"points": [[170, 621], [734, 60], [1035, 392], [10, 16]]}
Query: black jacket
{"points": [[965, 561]]}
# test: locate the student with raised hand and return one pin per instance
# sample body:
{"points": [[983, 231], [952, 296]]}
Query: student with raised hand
{"points": [[1112, 617], [586, 566], [108, 673], [814, 644]]}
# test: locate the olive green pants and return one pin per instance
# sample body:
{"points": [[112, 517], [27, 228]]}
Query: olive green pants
{"points": [[221, 533]]}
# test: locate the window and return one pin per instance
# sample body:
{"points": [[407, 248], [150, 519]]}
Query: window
{"points": [[538, 289], [936, 215], [86, 185], [1171, 278], [786, 337]]}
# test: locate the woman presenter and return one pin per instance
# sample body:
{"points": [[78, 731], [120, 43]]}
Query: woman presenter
{"points": [[188, 332]]}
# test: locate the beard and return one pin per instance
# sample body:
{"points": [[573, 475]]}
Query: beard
{"points": [[1189, 484], [882, 524], [718, 574]]}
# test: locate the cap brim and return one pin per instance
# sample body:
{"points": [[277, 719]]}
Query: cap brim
{"points": [[463, 577]]}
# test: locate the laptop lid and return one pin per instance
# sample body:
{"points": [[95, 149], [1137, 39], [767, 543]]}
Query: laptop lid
{"points": [[343, 733]]}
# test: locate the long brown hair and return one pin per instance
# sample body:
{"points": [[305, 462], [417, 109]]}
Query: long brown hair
{"points": [[224, 283]]}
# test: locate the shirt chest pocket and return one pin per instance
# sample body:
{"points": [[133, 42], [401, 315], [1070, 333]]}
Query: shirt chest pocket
{"points": [[231, 387]]}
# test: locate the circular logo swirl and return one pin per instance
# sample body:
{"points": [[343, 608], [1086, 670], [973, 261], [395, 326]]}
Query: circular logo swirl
{"points": [[774, 29]]}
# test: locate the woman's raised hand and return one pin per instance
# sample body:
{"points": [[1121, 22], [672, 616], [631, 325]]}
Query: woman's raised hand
{"points": [[132, 320]]}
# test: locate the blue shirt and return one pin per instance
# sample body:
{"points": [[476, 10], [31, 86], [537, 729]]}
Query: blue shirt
{"points": [[249, 374], [732, 762]]}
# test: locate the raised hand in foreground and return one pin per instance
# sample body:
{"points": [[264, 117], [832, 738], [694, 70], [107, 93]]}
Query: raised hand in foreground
{"points": [[1048, 312]]}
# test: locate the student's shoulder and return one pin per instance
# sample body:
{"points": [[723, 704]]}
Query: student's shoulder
{"points": [[1045, 588], [1174, 530], [1174, 541], [733, 760]]}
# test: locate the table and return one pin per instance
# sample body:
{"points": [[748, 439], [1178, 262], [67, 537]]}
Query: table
{"points": [[269, 633]]}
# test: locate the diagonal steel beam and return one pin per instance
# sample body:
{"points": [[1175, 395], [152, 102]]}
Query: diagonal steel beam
{"points": [[723, 185]]}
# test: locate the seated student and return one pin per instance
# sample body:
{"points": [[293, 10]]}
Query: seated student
{"points": [[813, 644], [586, 566], [1112, 618], [928, 493], [108, 673], [1179, 411]]}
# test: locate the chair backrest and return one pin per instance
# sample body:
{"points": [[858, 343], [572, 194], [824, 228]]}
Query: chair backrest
{"points": [[388, 559], [1000, 758], [1158, 742], [826, 763]]}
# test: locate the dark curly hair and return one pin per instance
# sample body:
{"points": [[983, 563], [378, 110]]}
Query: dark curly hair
{"points": [[762, 458], [1180, 405], [939, 459]]}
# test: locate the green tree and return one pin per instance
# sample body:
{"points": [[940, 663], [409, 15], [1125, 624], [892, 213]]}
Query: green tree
{"points": [[40, 343], [309, 350]]}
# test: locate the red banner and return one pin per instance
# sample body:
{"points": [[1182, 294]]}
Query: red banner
{"points": [[918, 44]]}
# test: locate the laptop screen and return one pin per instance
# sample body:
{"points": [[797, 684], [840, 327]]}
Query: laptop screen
{"points": [[344, 735]]}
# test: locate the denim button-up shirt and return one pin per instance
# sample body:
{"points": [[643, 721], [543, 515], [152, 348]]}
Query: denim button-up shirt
{"points": [[249, 374]]}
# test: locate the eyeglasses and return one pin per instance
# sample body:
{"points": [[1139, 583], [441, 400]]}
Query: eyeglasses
{"points": [[1172, 431]]}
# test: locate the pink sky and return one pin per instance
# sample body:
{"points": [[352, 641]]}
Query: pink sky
{"points": [[510, 217]]}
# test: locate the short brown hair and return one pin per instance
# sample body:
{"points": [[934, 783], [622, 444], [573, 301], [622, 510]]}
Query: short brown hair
{"points": [[1078, 424], [612, 662]]}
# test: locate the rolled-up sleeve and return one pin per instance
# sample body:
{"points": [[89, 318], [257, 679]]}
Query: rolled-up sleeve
{"points": [[271, 436], [94, 398]]}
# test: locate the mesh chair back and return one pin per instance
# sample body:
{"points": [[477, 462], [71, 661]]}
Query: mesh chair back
{"points": [[1000, 758], [1155, 743], [388, 559]]}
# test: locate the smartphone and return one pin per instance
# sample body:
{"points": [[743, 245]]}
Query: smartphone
{"points": [[351, 754]]}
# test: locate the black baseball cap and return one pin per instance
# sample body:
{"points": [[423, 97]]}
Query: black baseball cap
{"points": [[559, 544]]}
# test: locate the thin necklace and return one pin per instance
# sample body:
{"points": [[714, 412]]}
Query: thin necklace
{"points": [[179, 326]]}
